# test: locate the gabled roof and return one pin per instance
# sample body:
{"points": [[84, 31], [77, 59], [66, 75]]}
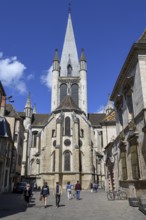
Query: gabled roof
{"points": [[68, 104], [96, 118], [39, 120], [10, 112]]}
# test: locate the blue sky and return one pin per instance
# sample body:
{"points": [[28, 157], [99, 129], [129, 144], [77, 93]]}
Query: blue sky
{"points": [[30, 31]]}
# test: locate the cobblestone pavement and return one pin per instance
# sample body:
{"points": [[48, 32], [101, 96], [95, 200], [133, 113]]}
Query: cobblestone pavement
{"points": [[91, 206]]}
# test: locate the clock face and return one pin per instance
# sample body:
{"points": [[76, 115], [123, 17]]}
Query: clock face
{"points": [[67, 142]]}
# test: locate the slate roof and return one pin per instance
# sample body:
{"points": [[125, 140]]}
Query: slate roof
{"points": [[96, 119], [39, 120], [68, 104], [10, 111]]}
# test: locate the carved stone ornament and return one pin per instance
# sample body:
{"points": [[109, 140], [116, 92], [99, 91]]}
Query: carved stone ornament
{"points": [[127, 88], [119, 101], [122, 136], [38, 161], [132, 138], [131, 125]]}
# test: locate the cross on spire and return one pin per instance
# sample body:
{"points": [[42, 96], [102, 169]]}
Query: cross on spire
{"points": [[69, 7]]}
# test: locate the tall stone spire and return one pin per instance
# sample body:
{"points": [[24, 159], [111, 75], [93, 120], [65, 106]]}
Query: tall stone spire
{"points": [[28, 107], [28, 113], [34, 109], [69, 50]]}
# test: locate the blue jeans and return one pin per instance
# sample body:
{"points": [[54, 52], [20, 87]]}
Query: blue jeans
{"points": [[77, 194]]}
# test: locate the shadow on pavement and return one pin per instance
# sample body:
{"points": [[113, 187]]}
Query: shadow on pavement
{"points": [[11, 203]]}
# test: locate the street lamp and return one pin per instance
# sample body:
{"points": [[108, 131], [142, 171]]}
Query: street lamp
{"points": [[9, 98]]}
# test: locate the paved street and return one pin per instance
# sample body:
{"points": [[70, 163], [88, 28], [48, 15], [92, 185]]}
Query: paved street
{"points": [[91, 206]]}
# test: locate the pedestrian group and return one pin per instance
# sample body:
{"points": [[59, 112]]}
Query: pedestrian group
{"points": [[72, 192]]}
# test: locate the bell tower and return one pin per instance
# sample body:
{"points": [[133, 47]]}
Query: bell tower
{"points": [[69, 75]]}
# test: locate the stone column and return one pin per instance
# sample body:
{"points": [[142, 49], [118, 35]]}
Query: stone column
{"points": [[58, 156]]}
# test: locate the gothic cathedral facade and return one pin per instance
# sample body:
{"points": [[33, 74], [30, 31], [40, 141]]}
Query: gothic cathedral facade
{"points": [[61, 146]]}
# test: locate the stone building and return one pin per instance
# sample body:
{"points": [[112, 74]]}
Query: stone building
{"points": [[67, 144], [11, 143], [126, 155]]}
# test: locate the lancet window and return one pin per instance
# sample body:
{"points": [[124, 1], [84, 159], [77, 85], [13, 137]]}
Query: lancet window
{"points": [[67, 158]]}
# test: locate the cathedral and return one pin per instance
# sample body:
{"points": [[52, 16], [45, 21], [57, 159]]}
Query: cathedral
{"points": [[67, 144]]}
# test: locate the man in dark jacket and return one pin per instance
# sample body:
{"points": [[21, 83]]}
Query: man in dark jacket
{"points": [[27, 193], [44, 193], [78, 189]]}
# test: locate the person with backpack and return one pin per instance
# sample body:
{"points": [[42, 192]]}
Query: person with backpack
{"points": [[45, 192]]}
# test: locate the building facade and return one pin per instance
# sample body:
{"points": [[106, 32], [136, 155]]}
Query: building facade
{"points": [[67, 144], [11, 144], [126, 155]]}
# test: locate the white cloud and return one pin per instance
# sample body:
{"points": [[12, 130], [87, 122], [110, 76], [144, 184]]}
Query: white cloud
{"points": [[30, 76], [101, 109], [1, 54], [47, 78], [11, 73]]}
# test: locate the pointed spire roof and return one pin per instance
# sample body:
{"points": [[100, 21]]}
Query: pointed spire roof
{"points": [[109, 106], [142, 38], [28, 102], [56, 56], [69, 48], [68, 104], [69, 61], [83, 58], [34, 109]]}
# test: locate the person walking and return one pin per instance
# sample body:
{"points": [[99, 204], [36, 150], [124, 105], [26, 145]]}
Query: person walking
{"points": [[57, 193], [45, 192], [78, 190], [27, 193], [68, 189], [95, 187], [91, 187]]}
